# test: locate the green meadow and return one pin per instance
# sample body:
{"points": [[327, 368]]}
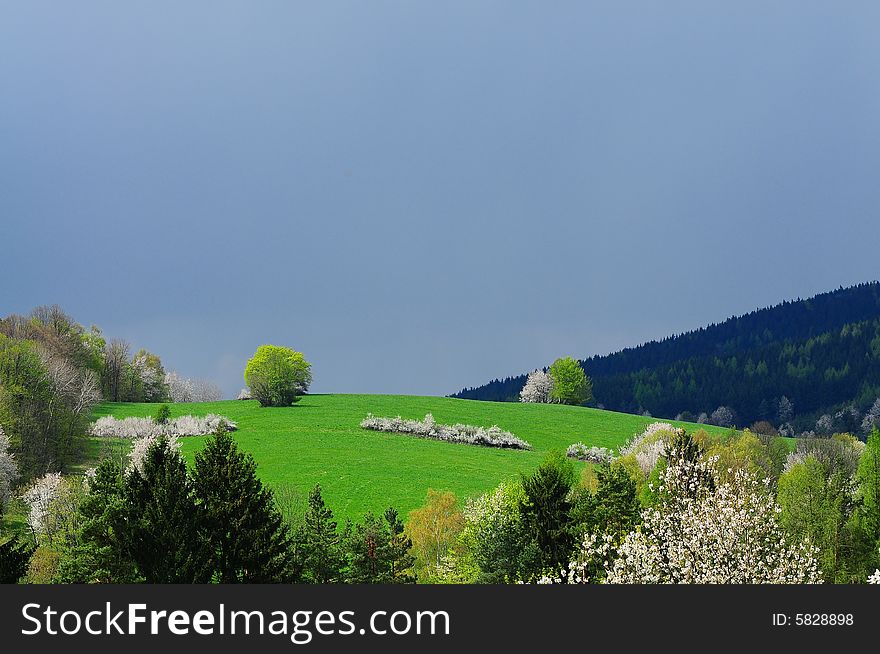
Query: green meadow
{"points": [[319, 441]]}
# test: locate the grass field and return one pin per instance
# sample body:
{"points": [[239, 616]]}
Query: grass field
{"points": [[319, 440]]}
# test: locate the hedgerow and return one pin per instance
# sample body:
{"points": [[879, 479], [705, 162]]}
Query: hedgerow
{"points": [[492, 436]]}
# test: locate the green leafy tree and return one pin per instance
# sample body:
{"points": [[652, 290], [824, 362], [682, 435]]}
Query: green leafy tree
{"points": [[319, 557], [570, 383], [100, 554], [868, 476], [546, 512], [15, 555], [247, 537], [433, 529], [161, 529], [378, 551], [277, 375]]}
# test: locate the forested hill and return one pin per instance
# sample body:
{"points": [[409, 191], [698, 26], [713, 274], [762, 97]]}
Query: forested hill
{"points": [[820, 352]]}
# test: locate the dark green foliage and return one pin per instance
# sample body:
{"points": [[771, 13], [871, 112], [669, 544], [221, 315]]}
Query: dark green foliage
{"points": [[546, 513], [616, 506], [378, 551], [248, 540], [100, 554], [319, 557], [163, 415], [15, 554], [820, 353], [162, 530]]}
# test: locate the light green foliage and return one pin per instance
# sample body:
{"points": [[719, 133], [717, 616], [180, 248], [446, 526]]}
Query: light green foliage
{"points": [[277, 375], [812, 509], [570, 384], [868, 476]]}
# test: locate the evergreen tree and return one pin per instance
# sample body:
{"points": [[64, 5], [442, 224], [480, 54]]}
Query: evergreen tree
{"points": [[616, 507], [100, 555], [161, 529], [546, 512], [378, 551], [15, 555], [245, 531], [317, 546]]}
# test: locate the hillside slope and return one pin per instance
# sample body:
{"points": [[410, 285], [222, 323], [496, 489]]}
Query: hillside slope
{"points": [[820, 353], [319, 440]]}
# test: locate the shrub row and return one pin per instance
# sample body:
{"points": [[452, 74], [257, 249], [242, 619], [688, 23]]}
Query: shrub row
{"points": [[493, 436], [594, 454], [134, 428]]}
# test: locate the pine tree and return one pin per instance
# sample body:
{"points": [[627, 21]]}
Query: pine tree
{"points": [[318, 550], [245, 531], [161, 530]]}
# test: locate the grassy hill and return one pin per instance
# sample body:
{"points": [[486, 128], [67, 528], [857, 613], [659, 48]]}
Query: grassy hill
{"points": [[319, 440]]}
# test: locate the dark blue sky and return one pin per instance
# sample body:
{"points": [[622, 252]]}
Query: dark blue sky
{"points": [[424, 195]]}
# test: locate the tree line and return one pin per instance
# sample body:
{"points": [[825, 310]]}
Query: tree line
{"points": [[820, 354]]}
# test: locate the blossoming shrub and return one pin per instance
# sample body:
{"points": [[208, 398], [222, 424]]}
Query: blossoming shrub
{"points": [[494, 436], [703, 530], [648, 447], [590, 454], [136, 428]]}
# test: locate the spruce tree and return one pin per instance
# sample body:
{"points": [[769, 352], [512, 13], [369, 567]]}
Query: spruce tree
{"points": [[546, 513], [248, 540], [161, 530], [318, 550], [100, 554]]}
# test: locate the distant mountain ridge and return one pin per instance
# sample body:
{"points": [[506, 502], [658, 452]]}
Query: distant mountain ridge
{"points": [[820, 352]]}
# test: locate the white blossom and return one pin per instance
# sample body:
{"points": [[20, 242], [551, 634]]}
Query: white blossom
{"points": [[39, 498], [493, 436], [590, 454], [134, 428], [538, 388], [709, 533], [8, 470]]}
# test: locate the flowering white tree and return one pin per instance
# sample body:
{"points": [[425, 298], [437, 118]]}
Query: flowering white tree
{"points": [[186, 389], [704, 530], [538, 388], [872, 417], [39, 498], [8, 470], [180, 389], [723, 416]]}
